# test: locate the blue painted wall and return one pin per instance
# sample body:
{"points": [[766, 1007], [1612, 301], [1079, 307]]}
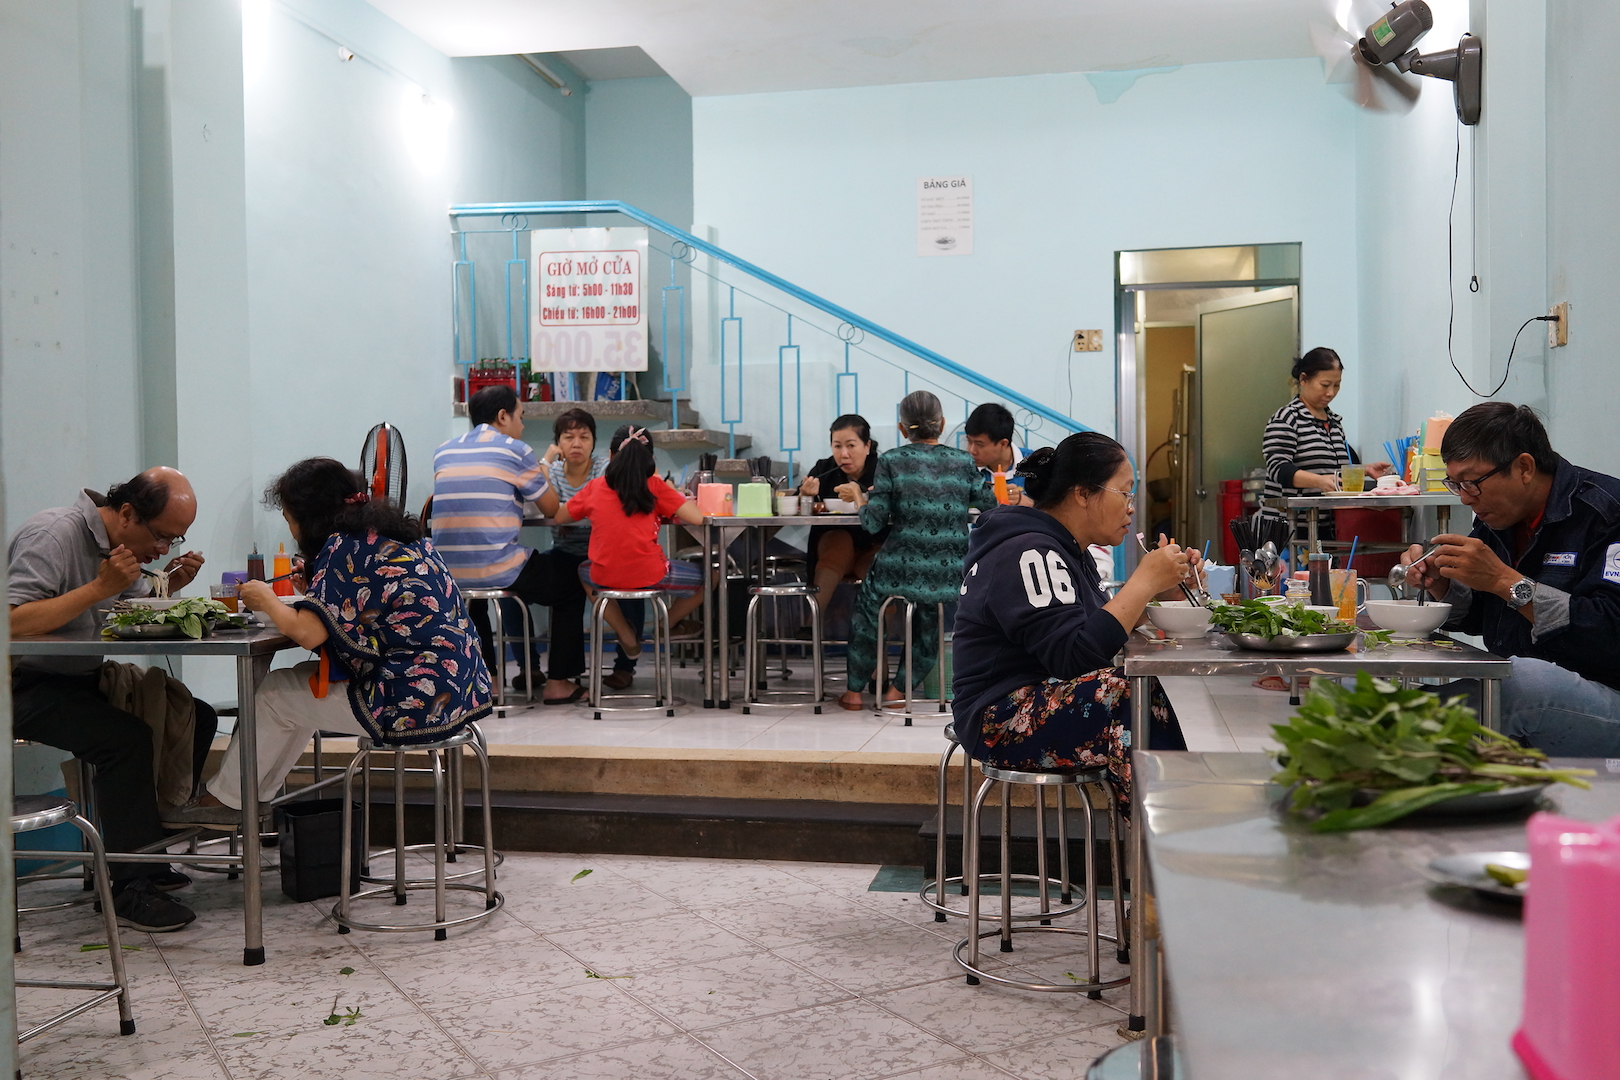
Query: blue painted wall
{"points": [[819, 187]]}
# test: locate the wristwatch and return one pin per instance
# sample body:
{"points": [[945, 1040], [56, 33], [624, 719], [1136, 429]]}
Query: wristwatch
{"points": [[1520, 593]]}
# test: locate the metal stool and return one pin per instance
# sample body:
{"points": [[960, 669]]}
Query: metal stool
{"points": [[455, 814], [30, 812], [753, 660], [493, 598], [936, 887], [883, 662], [401, 884], [1093, 986], [663, 698]]}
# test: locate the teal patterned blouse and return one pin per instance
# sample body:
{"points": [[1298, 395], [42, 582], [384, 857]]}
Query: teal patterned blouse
{"points": [[922, 493]]}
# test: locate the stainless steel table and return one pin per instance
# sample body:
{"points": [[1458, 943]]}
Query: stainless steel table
{"points": [[1293, 954], [252, 649], [1314, 505], [717, 676], [1147, 660]]}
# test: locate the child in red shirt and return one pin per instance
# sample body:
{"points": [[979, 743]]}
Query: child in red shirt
{"points": [[624, 506]]}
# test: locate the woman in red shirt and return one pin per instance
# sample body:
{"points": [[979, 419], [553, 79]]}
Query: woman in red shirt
{"points": [[625, 506]]}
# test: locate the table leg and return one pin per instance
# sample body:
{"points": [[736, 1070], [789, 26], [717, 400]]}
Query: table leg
{"points": [[1141, 713], [708, 617], [250, 671], [723, 666], [1490, 703]]}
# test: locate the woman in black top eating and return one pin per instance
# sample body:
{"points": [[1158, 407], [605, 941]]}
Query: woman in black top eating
{"points": [[839, 551]]}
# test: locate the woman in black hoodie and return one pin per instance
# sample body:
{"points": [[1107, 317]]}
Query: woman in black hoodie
{"points": [[1035, 636]]}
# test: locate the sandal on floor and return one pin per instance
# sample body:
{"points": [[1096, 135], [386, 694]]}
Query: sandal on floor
{"points": [[579, 692], [858, 706], [1272, 682]]}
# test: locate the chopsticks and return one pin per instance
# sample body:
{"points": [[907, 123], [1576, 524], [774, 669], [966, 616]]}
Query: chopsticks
{"points": [[1141, 539]]}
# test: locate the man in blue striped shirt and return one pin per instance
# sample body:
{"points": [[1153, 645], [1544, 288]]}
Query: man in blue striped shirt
{"points": [[481, 482]]}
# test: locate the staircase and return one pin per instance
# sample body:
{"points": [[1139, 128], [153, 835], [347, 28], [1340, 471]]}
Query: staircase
{"points": [[769, 364]]}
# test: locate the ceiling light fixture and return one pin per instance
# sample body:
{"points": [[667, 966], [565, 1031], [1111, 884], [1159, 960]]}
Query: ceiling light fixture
{"points": [[547, 74]]}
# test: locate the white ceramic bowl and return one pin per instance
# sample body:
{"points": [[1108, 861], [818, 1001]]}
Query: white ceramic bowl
{"points": [[839, 506], [1179, 619], [1407, 617]]}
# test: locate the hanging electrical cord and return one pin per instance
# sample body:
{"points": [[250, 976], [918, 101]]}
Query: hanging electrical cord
{"points": [[1473, 285]]}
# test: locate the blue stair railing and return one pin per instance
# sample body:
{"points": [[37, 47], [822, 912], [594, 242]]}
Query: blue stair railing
{"points": [[729, 292]]}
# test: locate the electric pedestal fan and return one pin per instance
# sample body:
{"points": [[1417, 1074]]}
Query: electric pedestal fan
{"points": [[382, 464]]}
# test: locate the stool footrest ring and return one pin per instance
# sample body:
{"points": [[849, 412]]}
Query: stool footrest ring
{"points": [[1078, 987]]}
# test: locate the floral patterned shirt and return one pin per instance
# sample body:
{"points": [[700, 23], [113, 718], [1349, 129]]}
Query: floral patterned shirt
{"points": [[398, 627]]}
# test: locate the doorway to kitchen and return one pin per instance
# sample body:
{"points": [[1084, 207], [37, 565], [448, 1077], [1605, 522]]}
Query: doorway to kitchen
{"points": [[1206, 336]]}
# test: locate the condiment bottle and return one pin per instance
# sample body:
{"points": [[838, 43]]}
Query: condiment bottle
{"points": [[1299, 591], [1321, 587], [999, 484], [283, 568], [255, 570]]}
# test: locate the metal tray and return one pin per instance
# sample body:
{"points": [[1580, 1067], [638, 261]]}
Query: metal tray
{"points": [[1302, 643], [1502, 801], [148, 631], [1468, 871]]}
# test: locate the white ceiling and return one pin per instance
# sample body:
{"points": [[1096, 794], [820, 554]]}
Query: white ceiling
{"points": [[752, 46]]}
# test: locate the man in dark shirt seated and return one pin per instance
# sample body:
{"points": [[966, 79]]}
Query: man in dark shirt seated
{"points": [[1538, 577]]}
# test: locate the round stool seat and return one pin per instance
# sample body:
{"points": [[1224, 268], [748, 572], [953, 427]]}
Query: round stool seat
{"points": [[30, 812], [795, 589], [464, 737], [629, 594], [1044, 778], [487, 594]]}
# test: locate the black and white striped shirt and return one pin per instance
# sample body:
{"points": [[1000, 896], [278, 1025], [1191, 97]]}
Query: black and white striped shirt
{"points": [[1294, 440]]}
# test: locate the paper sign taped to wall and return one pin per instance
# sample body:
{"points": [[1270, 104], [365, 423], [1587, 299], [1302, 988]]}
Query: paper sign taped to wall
{"points": [[586, 303], [945, 215]]}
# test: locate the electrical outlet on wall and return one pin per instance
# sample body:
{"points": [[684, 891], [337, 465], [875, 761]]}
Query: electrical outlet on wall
{"points": [[1088, 341], [1558, 329]]}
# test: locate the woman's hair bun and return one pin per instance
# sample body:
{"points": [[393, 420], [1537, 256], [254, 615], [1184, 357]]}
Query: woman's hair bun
{"points": [[1035, 470]]}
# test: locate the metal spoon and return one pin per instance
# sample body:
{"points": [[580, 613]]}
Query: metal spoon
{"points": [[1398, 572]]}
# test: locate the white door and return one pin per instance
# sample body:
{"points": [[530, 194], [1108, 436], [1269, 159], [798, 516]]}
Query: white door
{"points": [[1246, 347]]}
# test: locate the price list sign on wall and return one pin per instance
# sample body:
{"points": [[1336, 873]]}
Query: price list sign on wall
{"points": [[945, 215], [585, 300]]}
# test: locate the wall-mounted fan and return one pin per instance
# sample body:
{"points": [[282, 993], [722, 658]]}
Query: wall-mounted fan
{"points": [[1374, 62]]}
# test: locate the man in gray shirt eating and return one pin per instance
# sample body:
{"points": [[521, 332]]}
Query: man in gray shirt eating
{"points": [[65, 564]]}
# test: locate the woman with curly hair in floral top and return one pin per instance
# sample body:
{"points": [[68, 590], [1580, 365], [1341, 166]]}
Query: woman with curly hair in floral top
{"points": [[399, 658], [1035, 636]]}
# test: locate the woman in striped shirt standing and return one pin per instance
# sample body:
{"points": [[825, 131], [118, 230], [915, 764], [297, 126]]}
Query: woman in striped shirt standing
{"points": [[1304, 442]]}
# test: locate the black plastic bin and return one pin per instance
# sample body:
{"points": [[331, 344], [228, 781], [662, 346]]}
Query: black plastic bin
{"points": [[310, 838]]}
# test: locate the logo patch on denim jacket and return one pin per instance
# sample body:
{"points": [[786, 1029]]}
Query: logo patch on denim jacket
{"points": [[1559, 558], [1611, 564]]}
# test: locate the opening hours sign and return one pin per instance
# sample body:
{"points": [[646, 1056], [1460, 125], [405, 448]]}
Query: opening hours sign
{"points": [[586, 302]]}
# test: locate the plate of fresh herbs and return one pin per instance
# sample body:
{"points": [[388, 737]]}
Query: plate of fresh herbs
{"points": [[1358, 757], [192, 617], [1255, 624]]}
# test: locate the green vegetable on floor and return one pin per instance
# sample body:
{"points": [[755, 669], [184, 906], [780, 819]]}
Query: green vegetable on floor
{"points": [[583, 873], [1404, 748]]}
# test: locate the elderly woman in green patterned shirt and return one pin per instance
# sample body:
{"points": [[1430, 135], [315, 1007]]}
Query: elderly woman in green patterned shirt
{"points": [[922, 493]]}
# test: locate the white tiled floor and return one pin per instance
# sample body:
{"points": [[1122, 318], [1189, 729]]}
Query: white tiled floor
{"points": [[1215, 714], [658, 969]]}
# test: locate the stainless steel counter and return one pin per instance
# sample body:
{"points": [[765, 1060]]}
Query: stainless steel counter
{"points": [[1293, 954]]}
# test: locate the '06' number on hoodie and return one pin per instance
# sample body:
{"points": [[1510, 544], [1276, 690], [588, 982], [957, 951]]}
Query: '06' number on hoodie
{"points": [[1040, 586]]}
